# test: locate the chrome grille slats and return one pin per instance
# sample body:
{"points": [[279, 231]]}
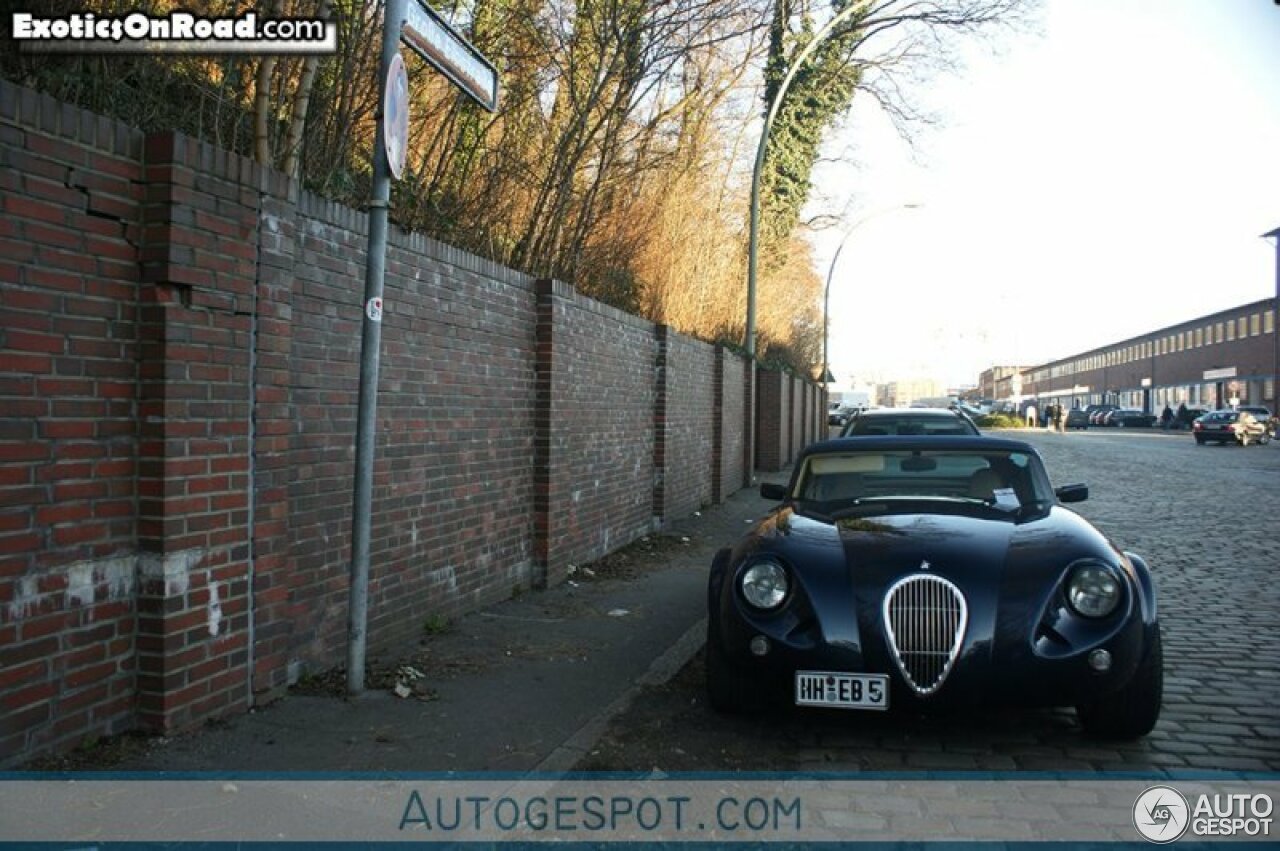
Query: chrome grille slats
{"points": [[924, 617]]}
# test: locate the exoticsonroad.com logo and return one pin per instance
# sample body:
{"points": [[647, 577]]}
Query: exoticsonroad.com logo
{"points": [[177, 32]]}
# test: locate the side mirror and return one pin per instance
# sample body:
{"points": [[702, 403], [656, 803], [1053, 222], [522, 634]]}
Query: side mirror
{"points": [[1072, 493], [770, 490]]}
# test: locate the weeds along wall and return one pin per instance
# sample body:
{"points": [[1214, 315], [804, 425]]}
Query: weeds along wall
{"points": [[179, 361]]}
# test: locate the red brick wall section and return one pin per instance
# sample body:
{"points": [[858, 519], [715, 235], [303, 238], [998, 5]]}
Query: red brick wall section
{"points": [[197, 300], [688, 429], [70, 189], [68, 239], [323, 379], [453, 486], [728, 437], [798, 402], [274, 416], [770, 437], [178, 373], [599, 443]]}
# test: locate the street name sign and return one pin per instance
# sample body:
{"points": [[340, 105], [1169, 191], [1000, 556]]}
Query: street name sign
{"points": [[431, 37]]}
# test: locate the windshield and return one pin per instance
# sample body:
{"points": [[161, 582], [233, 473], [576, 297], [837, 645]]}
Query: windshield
{"points": [[830, 481], [932, 424]]}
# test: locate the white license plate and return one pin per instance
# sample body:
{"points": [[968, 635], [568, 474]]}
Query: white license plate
{"points": [[841, 690]]}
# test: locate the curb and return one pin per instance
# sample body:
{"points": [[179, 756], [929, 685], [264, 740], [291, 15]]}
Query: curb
{"points": [[666, 666]]}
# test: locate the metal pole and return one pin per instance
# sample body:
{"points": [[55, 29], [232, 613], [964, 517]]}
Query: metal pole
{"points": [[753, 241], [370, 347], [826, 302], [826, 294], [1275, 335]]}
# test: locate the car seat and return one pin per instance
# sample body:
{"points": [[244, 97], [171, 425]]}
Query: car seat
{"points": [[984, 483], [837, 486]]}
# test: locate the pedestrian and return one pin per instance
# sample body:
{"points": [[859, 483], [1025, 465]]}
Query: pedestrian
{"points": [[1166, 417], [1060, 416], [1031, 416], [1182, 416]]}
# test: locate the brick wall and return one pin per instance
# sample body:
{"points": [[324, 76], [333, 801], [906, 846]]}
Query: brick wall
{"points": [[770, 420], [178, 374], [597, 370], [70, 224], [730, 406], [687, 428]]}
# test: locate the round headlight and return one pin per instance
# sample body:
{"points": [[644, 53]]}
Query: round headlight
{"points": [[764, 585], [1093, 591]]}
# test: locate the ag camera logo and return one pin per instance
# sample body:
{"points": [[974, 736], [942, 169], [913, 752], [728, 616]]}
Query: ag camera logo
{"points": [[1161, 814]]}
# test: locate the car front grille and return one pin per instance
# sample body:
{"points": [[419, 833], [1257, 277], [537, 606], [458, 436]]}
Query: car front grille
{"points": [[925, 618]]}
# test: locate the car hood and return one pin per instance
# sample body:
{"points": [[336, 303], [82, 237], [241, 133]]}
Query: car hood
{"points": [[1006, 567]]}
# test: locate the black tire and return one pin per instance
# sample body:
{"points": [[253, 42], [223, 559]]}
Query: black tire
{"points": [[1132, 711], [727, 689]]}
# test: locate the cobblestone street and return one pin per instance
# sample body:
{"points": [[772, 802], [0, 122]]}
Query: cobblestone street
{"points": [[1206, 520]]}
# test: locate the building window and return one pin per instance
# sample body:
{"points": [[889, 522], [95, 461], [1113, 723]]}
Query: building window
{"points": [[1199, 337], [1255, 325], [1231, 330], [1269, 389], [1269, 322], [1208, 335], [1217, 333], [1242, 327]]}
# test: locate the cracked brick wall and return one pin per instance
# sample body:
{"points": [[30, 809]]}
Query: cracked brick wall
{"points": [[178, 373], [71, 198]]}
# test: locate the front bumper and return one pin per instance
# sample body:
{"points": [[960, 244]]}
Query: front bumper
{"points": [[983, 674]]}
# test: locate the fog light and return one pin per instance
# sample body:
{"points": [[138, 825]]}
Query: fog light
{"points": [[759, 645], [1100, 661]]}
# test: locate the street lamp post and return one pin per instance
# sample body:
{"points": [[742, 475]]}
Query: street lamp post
{"points": [[753, 243], [826, 295], [1275, 329]]}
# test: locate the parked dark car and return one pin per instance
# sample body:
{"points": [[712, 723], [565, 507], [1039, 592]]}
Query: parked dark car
{"points": [[925, 573], [1188, 417], [1229, 427], [909, 421], [1130, 418], [1264, 416], [1077, 418]]}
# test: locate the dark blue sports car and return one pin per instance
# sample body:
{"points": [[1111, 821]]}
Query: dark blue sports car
{"points": [[927, 572]]}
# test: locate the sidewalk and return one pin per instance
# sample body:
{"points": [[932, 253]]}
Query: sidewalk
{"points": [[528, 684]]}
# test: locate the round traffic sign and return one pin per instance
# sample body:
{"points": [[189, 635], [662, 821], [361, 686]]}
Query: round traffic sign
{"points": [[395, 116]]}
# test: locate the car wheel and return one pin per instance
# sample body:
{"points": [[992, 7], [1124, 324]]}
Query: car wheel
{"points": [[1133, 710], [1264, 439], [727, 690]]}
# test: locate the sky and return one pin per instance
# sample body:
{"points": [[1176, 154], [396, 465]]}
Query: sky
{"points": [[1103, 173]]}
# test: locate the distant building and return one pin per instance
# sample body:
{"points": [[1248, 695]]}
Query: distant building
{"points": [[995, 383], [900, 394], [1218, 360]]}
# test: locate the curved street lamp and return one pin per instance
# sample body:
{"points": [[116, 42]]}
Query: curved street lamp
{"points": [[753, 244], [826, 295]]}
